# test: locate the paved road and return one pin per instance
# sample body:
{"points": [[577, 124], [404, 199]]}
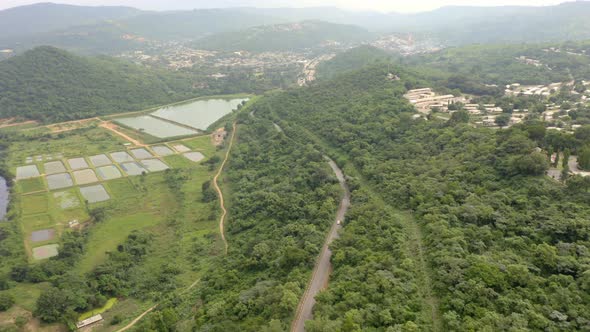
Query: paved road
{"points": [[573, 165], [321, 272]]}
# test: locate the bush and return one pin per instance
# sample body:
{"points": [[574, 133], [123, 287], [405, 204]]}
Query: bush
{"points": [[6, 302]]}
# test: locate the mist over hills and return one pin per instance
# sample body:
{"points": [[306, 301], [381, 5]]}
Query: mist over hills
{"points": [[109, 30]]}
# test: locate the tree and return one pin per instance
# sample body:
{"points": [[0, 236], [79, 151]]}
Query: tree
{"points": [[584, 158], [459, 117], [502, 120], [51, 305], [6, 301]]}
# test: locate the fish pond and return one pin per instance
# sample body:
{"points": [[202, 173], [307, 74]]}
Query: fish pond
{"points": [[199, 114]]}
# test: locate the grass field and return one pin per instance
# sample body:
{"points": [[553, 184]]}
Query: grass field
{"points": [[35, 204], [110, 233], [31, 185]]}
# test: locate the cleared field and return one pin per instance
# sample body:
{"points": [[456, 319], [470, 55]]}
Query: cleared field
{"points": [[100, 160], [202, 144], [25, 172], [54, 167], [109, 172], [85, 176], [45, 252], [66, 199], [59, 181], [121, 157], [77, 163], [31, 185], [43, 235], [194, 156], [95, 194], [37, 222], [110, 233], [181, 148], [141, 154], [34, 204], [178, 161], [162, 150], [133, 168], [154, 165]]}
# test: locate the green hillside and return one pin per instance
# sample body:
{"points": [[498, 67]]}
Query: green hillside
{"points": [[49, 84], [353, 59], [284, 37]]}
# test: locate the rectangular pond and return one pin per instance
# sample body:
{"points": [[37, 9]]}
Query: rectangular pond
{"points": [[199, 114], [100, 160], [95, 194], [25, 172], [59, 181], [155, 127], [109, 172]]}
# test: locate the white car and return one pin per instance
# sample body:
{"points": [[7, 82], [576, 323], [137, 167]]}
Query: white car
{"points": [[338, 222]]}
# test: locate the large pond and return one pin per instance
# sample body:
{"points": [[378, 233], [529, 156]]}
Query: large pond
{"points": [[199, 114], [3, 198], [156, 127]]}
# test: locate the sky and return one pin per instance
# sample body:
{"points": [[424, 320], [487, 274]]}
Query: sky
{"points": [[403, 6]]}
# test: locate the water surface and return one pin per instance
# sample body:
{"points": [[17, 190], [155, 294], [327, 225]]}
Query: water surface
{"points": [[3, 197], [199, 114]]}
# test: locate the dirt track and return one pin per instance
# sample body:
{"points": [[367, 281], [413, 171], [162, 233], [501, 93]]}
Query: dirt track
{"points": [[216, 185], [110, 126], [322, 269]]}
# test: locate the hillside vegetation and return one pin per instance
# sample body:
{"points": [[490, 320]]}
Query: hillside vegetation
{"points": [[48, 84], [502, 251], [283, 37]]}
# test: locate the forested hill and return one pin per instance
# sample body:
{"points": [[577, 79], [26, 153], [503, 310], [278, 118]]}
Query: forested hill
{"points": [[49, 84], [351, 60], [43, 17], [491, 243], [284, 37], [504, 63]]}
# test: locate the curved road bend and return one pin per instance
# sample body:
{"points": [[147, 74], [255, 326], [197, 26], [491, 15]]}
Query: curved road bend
{"points": [[322, 269]]}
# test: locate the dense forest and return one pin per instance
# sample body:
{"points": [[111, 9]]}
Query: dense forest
{"points": [[506, 247], [283, 200], [48, 84], [500, 64]]}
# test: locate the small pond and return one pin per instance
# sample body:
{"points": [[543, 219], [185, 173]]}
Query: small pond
{"points": [[3, 198]]}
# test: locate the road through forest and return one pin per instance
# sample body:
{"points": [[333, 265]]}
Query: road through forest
{"points": [[322, 269]]}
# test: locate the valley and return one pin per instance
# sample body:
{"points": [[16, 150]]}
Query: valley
{"points": [[294, 169]]}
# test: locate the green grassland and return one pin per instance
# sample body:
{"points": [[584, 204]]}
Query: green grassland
{"points": [[31, 185]]}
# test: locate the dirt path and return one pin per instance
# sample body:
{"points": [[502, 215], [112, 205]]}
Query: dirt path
{"points": [[415, 245], [219, 193], [18, 124], [112, 127], [322, 269], [133, 322]]}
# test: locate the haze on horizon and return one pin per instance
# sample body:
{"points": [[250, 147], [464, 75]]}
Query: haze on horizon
{"points": [[374, 5]]}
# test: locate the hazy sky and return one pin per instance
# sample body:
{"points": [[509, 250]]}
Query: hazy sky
{"points": [[380, 5]]}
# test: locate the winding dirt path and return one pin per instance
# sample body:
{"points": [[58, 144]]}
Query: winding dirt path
{"points": [[133, 322], [218, 189], [323, 268], [221, 225]]}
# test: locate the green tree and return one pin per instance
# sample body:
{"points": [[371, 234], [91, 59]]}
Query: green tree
{"points": [[6, 301], [502, 120], [584, 158]]}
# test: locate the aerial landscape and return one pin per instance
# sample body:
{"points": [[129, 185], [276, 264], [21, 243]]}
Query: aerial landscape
{"points": [[313, 166]]}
